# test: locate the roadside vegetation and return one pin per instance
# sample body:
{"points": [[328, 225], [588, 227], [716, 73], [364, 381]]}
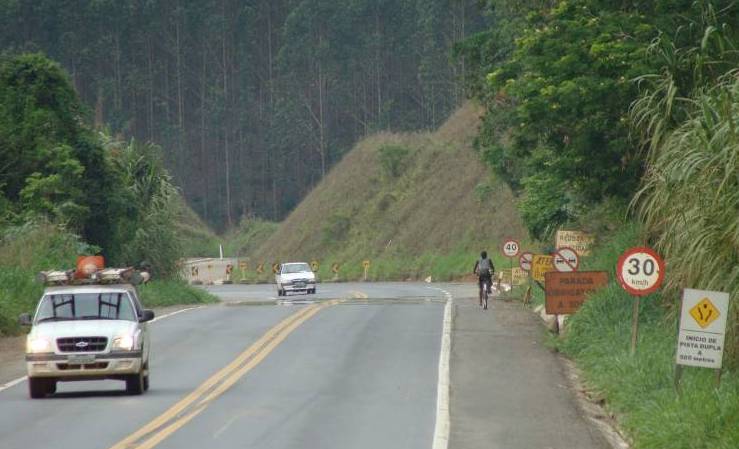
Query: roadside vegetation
{"points": [[68, 190], [640, 389], [621, 119]]}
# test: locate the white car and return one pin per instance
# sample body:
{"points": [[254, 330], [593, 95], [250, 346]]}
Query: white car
{"points": [[88, 332], [295, 277]]}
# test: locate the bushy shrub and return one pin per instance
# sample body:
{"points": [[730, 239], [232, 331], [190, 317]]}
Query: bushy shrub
{"points": [[392, 160]]}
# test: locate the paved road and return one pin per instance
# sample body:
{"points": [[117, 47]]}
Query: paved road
{"points": [[350, 375], [313, 372]]}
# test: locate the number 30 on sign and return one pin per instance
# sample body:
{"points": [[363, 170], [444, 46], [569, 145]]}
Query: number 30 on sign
{"points": [[640, 271]]}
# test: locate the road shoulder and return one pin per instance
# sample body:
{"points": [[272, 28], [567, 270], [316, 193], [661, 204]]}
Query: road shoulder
{"points": [[508, 390]]}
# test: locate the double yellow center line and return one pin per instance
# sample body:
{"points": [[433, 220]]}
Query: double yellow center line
{"points": [[194, 403]]}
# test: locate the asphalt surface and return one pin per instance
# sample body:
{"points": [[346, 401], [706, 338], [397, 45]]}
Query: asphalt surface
{"points": [[508, 389], [308, 371]]}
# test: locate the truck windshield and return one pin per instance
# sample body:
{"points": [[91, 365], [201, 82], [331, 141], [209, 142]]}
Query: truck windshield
{"points": [[86, 306], [295, 268]]}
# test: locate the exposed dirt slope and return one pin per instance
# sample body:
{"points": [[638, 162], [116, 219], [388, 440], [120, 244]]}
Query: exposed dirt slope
{"points": [[414, 204]]}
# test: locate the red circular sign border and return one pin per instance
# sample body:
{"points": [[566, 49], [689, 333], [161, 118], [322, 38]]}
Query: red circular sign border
{"points": [[502, 247], [521, 257], [554, 256], [622, 261]]}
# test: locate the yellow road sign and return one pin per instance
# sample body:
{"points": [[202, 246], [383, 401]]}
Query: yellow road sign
{"points": [[260, 268], [314, 265], [518, 276], [542, 264], [366, 264], [335, 268], [704, 313], [243, 266], [275, 267]]}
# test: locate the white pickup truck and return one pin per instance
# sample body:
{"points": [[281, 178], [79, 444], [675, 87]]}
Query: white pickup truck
{"points": [[295, 277], [91, 331]]}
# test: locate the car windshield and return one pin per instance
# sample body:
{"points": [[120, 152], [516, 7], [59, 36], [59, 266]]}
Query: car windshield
{"points": [[86, 306], [295, 268]]}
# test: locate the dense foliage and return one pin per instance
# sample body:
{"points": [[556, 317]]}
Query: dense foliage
{"points": [[253, 100], [54, 168], [51, 163], [558, 79]]}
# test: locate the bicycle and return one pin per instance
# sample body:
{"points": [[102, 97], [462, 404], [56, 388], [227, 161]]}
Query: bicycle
{"points": [[485, 286]]}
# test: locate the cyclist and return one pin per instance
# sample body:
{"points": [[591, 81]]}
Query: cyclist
{"points": [[484, 270]]}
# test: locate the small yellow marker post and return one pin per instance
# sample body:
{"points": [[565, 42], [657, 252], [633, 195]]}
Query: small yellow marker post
{"points": [[243, 267]]}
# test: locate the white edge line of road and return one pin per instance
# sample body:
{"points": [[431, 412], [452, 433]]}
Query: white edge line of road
{"points": [[15, 382], [442, 426]]}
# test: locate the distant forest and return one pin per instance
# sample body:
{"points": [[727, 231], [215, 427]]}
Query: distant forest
{"points": [[252, 100]]}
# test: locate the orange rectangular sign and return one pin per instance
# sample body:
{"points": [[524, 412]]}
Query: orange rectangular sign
{"points": [[566, 292]]}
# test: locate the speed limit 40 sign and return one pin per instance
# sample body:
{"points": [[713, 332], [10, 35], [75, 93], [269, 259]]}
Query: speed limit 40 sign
{"points": [[511, 248], [640, 271]]}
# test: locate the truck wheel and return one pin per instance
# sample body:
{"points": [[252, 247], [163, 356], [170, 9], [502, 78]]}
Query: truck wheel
{"points": [[146, 377], [38, 388], [135, 383]]}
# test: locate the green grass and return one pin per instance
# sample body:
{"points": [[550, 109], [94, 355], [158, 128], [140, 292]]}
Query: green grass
{"points": [[244, 239], [161, 293], [197, 239], [26, 250], [639, 388]]}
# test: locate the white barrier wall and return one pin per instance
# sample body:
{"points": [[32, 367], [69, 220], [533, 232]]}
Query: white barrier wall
{"points": [[208, 271]]}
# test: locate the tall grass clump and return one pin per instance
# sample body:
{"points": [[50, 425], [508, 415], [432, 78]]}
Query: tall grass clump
{"points": [[689, 200], [146, 233], [24, 251], [688, 121]]}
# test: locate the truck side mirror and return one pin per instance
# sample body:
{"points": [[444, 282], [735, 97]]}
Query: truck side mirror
{"points": [[24, 319], [146, 315]]}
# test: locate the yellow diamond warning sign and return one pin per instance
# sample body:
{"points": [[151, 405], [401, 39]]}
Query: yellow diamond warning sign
{"points": [[704, 313], [700, 341]]}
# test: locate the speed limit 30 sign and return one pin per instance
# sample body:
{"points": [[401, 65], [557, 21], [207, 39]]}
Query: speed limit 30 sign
{"points": [[640, 271]]}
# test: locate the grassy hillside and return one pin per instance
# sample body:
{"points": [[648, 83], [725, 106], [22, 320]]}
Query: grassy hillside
{"points": [[414, 204], [198, 239]]}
